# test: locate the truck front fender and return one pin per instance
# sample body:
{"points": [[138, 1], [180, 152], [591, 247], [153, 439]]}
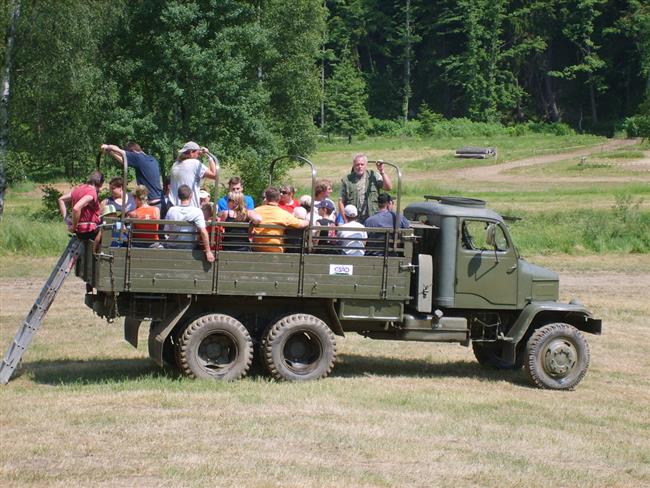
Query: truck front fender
{"points": [[540, 313], [575, 314]]}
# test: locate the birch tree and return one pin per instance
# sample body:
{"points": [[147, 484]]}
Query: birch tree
{"points": [[4, 100]]}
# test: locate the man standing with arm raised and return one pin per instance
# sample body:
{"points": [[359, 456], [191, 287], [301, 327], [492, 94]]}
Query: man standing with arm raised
{"points": [[361, 187], [147, 169], [188, 170]]}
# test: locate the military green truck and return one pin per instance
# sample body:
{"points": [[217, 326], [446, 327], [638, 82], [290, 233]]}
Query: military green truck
{"points": [[454, 276]]}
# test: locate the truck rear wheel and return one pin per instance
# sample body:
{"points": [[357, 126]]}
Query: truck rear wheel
{"points": [[215, 346], [557, 357], [299, 347]]}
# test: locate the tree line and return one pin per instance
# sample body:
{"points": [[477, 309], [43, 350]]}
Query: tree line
{"points": [[257, 78]]}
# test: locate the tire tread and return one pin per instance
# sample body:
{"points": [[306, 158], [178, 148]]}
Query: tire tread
{"points": [[279, 327], [183, 350], [537, 340]]}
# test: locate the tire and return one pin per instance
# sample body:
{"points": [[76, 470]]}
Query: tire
{"points": [[557, 357], [215, 346], [489, 355], [299, 347]]}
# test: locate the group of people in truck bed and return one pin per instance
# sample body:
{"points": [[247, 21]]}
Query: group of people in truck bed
{"points": [[340, 228]]}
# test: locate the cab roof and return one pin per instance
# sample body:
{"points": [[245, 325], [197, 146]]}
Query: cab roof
{"points": [[450, 210]]}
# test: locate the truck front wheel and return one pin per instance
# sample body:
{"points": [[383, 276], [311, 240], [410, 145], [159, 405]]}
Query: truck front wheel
{"points": [[557, 357], [299, 347], [215, 346]]}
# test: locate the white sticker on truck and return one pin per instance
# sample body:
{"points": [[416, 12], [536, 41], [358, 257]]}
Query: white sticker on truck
{"points": [[341, 269]]}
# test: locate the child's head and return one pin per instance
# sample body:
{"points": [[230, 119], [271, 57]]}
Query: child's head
{"points": [[208, 211], [325, 208], [108, 211]]}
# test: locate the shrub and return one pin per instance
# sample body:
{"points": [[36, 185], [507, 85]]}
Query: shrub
{"points": [[50, 201], [380, 127], [463, 127], [554, 128], [428, 120], [518, 130], [16, 165], [638, 126], [393, 128]]}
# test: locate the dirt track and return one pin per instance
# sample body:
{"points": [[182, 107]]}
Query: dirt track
{"points": [[499, 172]]}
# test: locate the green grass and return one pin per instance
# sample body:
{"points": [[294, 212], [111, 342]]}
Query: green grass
{"points": [[584, 231], [25, 232], [511, 145], [22, 235], [622, 154], [23, 186]]}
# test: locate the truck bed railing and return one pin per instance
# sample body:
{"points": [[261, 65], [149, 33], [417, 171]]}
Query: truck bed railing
{"points": [[243, 237]]}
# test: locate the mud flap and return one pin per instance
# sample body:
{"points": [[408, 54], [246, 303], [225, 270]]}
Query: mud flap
{"points": [[131, 328], [158, 333]]}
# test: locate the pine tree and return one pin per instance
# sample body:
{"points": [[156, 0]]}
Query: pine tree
{"points": [[346, 99]]}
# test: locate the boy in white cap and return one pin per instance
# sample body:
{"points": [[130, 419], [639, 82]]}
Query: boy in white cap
{"points": [[350, 235], [188, 170], [204, 197]]}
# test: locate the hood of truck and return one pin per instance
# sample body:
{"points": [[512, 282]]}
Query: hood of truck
{"points": [[537, 284]]}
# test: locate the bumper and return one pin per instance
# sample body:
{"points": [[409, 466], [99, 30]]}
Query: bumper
{"points": [[593, 326]]}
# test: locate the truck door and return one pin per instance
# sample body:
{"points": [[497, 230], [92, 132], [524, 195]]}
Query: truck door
{"points": [[486, 275]]}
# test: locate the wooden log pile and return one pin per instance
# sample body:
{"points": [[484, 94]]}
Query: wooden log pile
{"points": [[473, 152]]}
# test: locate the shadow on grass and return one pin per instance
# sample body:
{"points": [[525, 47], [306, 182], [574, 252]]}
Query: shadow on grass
{"points": [[350, 365], [94, 371], [99, 371]]}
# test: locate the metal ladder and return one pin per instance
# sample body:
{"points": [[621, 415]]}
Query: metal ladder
{"points": [[42, 304]]}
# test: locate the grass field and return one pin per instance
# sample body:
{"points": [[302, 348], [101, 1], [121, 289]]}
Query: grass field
{"points": [[88, 409]]}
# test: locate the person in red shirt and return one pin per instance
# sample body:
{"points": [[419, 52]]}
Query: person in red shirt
{"points": [[287, 199], [85, 207]]}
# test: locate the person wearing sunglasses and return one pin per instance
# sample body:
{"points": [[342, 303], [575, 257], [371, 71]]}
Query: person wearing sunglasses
{"points": [[287, 200]]}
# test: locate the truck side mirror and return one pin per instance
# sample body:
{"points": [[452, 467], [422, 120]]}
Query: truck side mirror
{"points": [[490, 235]]}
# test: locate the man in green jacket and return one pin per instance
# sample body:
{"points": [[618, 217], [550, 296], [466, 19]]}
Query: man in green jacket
{"points": [[361, 187]]}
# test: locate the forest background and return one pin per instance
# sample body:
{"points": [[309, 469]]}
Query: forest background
{"points": [[254, 79]]}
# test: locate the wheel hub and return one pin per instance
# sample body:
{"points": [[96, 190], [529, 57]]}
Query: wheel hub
{"points": [[217, 351], [560, 358], [297, 349], [302, 351]]}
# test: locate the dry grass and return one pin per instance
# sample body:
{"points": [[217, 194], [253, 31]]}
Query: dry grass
{"points": [[90, 410]]}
